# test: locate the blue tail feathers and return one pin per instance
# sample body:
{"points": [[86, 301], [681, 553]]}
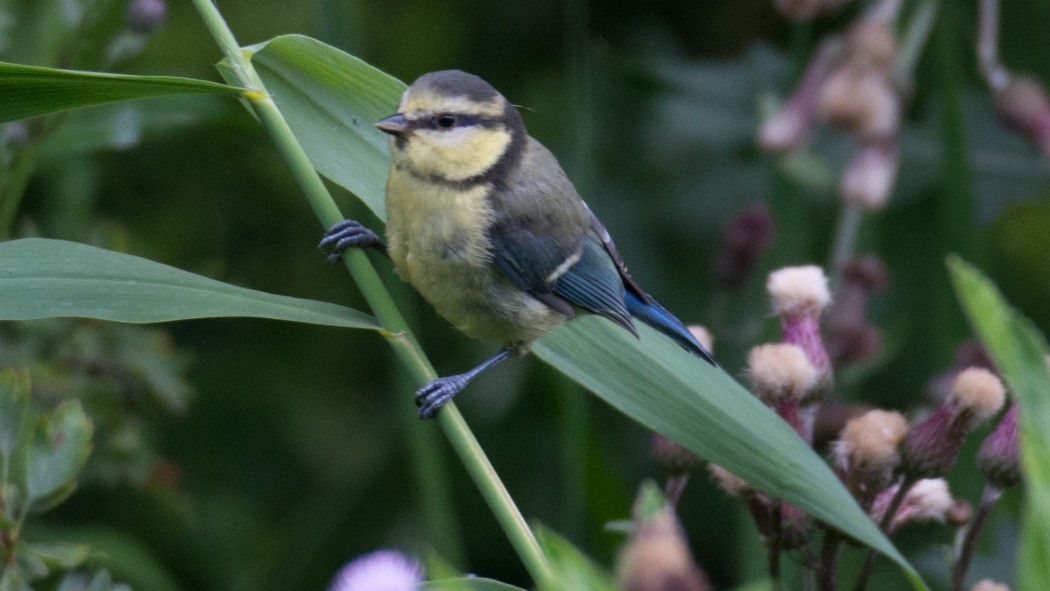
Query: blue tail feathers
{"points": [[659, 318]]}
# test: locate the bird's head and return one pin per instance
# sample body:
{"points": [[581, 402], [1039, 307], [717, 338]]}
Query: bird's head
{"points": [[453, 126]]}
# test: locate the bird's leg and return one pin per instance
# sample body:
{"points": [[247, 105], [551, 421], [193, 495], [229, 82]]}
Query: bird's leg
{"points": [[435, 393], [349, 234]]}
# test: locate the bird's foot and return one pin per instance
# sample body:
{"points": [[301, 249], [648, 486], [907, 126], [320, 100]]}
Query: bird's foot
{"points": [[349, 234], [436, 393]]}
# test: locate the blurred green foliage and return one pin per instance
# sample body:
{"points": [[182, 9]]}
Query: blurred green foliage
{"points": [[291, 457]]}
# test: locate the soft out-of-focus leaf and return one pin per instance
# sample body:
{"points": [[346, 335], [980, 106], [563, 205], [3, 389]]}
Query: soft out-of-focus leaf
{"points": [[127, 558], [14, 411], [64, 555], [1019, 352], [42, 278], [59, 449], [653, 381], [29, 90], [331, 100], [571, 570]]}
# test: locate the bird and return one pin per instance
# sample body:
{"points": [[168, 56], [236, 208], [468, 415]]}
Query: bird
{"points": [[483, 221]]}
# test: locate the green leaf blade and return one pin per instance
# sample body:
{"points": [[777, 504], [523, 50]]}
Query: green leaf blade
{"points": [[42, 278], [29, 91], [661, 386], [58, 452], [1019, 352], [331, 100]]}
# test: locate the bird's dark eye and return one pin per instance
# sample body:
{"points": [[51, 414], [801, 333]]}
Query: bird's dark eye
{"points": [[446, 121]]}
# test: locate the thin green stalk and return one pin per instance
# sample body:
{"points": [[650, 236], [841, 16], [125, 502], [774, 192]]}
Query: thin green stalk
{"points": [[396, 330], [13, 188], [844, 245]]}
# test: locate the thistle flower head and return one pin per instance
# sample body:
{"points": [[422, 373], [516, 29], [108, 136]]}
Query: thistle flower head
{"points": [[746, 237], [1023, 106], [931, 447], [866, 452], [700, 333], [382, 570], [781, 371], [988, 585], [145, 16], [670, 456], [976, 395], [927, 500], [801, 10], [867, 272], [870, 174], [657, 558], [998, 459], [732, 484], [799, 291], [791, 126], [799, 295]]}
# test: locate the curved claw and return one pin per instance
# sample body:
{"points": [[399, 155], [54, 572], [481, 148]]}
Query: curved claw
{"points": [[349, 234], [436, 393]]}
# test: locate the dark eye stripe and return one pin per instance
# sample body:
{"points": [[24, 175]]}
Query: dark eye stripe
{"points": [[461, 120]]}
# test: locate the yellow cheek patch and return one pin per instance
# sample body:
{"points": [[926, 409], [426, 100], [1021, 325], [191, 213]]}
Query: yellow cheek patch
{"points": [[458, 154]]}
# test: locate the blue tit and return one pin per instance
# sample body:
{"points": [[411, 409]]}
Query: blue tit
{"points": [[484, 223]]}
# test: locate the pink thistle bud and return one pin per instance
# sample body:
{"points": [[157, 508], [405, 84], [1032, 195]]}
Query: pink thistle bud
{"points": [[1023, 106], [800, 295], [869, 177], [927, 500], [746, 237], [866, 455], [960, 513], [657, 558], [704, 336], [732, 484], [931, 447], [785, 380], [998, 459], [146, 16], [801, 10], [791, 127], [867, 273], [670, 456], [382, 570], [988, 585]]}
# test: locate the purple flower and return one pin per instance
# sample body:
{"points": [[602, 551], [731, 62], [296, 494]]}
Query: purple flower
{"points": [[382, 570]]}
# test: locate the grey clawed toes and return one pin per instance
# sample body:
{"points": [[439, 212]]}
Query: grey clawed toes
{"points": [[349, 234], [436, 393]]}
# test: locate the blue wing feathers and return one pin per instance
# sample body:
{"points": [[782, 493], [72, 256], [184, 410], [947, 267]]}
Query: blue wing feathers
{"points": [[659, 318]]}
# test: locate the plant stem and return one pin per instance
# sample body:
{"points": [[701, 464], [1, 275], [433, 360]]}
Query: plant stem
{"points": [[13, 184], [829, 552], [845, 242], [396, 330], [884, 525], [775, 523], [988, 499]]}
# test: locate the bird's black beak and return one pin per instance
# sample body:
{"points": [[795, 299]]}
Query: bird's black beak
{"points": [[395, 125]]}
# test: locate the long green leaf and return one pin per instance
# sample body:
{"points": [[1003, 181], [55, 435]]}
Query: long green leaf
{"points": [[42, 278], [1019, 351], [331, 99], [30, 90]]}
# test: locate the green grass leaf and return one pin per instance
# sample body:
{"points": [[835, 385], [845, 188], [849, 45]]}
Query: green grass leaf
{"points": [[42, 278], [1019, 352], [331, 101], [30, 90]]}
